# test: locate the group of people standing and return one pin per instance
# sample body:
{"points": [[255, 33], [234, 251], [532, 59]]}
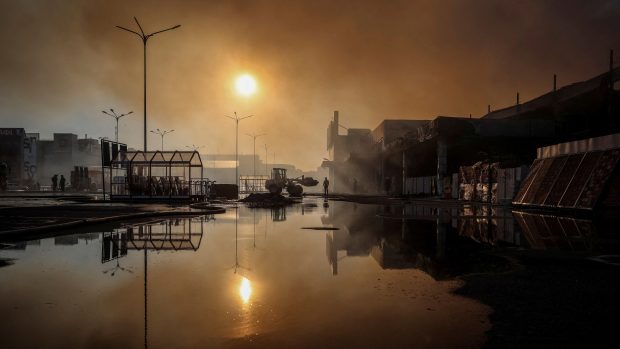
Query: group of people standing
{"points": [[55, 182]]}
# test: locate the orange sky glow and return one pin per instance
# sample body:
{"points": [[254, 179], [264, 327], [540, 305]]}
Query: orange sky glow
{"points": [[64, 62]]}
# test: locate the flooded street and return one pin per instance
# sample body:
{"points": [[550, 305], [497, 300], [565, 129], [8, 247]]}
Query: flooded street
{"points": [[365, 276]]}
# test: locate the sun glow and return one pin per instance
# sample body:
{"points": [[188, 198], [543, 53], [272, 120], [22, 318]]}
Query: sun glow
{"points": [[245, 85], [245, 290]]}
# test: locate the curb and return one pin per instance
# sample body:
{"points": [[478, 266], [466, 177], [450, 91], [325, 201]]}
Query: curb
{"points": [[89, 221]]}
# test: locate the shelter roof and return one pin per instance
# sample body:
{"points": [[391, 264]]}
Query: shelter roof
{"points": [[161, 158]]}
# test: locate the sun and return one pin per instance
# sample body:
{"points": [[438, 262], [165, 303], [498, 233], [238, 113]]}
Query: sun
{"points": [[245, 85]]}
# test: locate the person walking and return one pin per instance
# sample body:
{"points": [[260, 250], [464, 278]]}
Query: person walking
{"points": [[62, 183], [54, 182], [325, 187]]}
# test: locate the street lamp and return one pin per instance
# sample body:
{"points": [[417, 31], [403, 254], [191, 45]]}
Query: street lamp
{"points": [[237, 119], [254, 136], [194, 147], [145, 38], [162, 133], [113, 114]]}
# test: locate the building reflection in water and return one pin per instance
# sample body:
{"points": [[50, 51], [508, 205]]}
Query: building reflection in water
{"points": [[552, 232], [486, 225], [548, 232], [278, 214], [447, 242], [174, 234]]}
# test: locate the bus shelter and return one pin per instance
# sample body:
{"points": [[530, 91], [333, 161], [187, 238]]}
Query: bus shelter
{"points": [[157, 175]]}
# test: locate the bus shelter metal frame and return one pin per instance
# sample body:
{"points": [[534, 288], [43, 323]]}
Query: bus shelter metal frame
{"points": [[168, 160]]}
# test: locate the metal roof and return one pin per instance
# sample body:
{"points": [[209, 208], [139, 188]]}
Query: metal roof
{"points": [[159, 158]]}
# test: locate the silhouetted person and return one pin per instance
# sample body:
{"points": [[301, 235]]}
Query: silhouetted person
{"points": [[62, 183], [325, 187], [54, 182]]}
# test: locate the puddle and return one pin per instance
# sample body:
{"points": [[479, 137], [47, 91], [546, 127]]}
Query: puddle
{"points": [[383, 276]]}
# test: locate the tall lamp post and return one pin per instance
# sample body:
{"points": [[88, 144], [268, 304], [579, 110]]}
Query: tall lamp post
{"points": [[145, 37], [237, 119], [113, 114], [254, 136], [162, 133]]}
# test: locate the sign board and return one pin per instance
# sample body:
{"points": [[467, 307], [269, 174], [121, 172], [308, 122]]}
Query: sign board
{"points": [[31, 143]]}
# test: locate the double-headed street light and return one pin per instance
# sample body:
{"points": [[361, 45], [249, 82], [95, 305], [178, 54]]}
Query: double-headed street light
{"points": [[254, 136], [162, 133], [237, 119], [113, 114], [145, 37], [194, 147]]}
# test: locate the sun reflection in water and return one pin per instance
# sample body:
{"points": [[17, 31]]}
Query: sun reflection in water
{"points": [[245, 290]]}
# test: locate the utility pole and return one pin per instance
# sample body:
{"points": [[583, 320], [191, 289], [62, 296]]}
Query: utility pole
{"points": [[145, 37], [237, 119], [254, 136], [117, 117]]}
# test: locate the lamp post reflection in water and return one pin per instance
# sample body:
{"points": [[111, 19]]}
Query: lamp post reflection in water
{"points": [[245, 288], [237, 264], [161, 235]]}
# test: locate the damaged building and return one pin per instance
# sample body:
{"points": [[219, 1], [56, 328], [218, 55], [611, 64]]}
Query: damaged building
{"points": [[479, 159], [31, 159]]}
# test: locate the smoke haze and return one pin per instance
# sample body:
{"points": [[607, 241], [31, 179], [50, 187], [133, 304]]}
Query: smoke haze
{"points": [[63, 62]]}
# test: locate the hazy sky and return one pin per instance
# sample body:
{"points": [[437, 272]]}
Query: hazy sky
{"points": [[62, 62]]}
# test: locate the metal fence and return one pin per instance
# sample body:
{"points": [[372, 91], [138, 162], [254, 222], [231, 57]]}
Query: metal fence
{"points": [[252, 184]]}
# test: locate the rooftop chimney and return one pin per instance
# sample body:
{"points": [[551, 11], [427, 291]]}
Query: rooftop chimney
{"points": [[336, 123]]}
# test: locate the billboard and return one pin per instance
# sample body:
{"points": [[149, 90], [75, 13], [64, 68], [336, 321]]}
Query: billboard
{"points": [[11, 151], [31, 142]]}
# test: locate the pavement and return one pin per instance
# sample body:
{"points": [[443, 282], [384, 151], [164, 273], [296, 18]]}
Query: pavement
{"points": [[32, 214], [547, 302]]}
